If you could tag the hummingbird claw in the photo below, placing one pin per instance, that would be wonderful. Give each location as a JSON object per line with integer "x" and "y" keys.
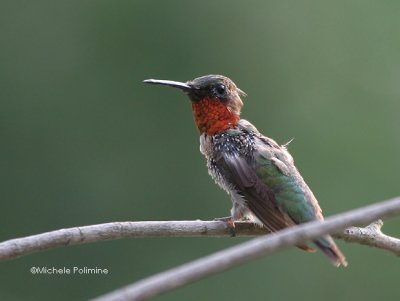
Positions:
{"x": 230, "y": 223}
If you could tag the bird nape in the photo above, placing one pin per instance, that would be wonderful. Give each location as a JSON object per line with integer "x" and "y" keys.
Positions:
{"x": 257, "y": 173}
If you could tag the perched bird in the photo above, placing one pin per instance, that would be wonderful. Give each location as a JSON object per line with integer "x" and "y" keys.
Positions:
{"x": 257, "y": 173}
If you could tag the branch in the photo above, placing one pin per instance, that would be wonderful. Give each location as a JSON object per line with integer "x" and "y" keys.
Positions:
{"x": 18, "y": 247}
{"x": 261, "y": 246}
{"x": 14, "y": 248}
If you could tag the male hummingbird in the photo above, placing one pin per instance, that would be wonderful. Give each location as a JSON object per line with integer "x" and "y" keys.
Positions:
{"x": 257, "y": 173}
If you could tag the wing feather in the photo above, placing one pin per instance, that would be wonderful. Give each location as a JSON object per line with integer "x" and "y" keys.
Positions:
{"x": 259, "y": 198}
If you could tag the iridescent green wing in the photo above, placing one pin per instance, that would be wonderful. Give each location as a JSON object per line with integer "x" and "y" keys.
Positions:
{"x": 275, "y": 166}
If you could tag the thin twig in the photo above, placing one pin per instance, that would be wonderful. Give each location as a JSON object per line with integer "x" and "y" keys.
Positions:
{"x": 261, "y": 246}
{"x": 371, "y": 236}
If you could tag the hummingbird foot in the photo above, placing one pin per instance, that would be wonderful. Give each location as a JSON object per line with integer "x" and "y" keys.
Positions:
{"x": 230, "y": 223}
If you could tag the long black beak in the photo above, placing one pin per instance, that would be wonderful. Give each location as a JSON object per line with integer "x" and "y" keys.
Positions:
{"x": 171, "y": 83}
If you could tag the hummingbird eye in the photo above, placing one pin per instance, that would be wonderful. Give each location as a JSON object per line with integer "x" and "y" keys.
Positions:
{"x": 220, "y": 90}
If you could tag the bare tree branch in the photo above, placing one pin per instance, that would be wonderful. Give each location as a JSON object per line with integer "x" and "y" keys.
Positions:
{"x": 14, "y": 248}
{"x": 261, "y": 246}
{"x": 18, "y": 247}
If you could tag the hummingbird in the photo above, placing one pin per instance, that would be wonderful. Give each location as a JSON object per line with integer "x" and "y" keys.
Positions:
{"x": 259, "y": 174}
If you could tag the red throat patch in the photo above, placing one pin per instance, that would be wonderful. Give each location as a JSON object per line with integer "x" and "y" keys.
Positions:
{"x": 212, "y": 116}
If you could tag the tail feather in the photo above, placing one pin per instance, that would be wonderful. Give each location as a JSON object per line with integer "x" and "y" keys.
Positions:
{"x": 330, "y": 249}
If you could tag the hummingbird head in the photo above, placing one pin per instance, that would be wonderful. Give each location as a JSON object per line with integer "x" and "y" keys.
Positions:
{"x": 216, "y": 101}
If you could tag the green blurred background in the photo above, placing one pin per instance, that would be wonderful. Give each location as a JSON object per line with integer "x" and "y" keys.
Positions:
{"x": 83, "y": 141}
